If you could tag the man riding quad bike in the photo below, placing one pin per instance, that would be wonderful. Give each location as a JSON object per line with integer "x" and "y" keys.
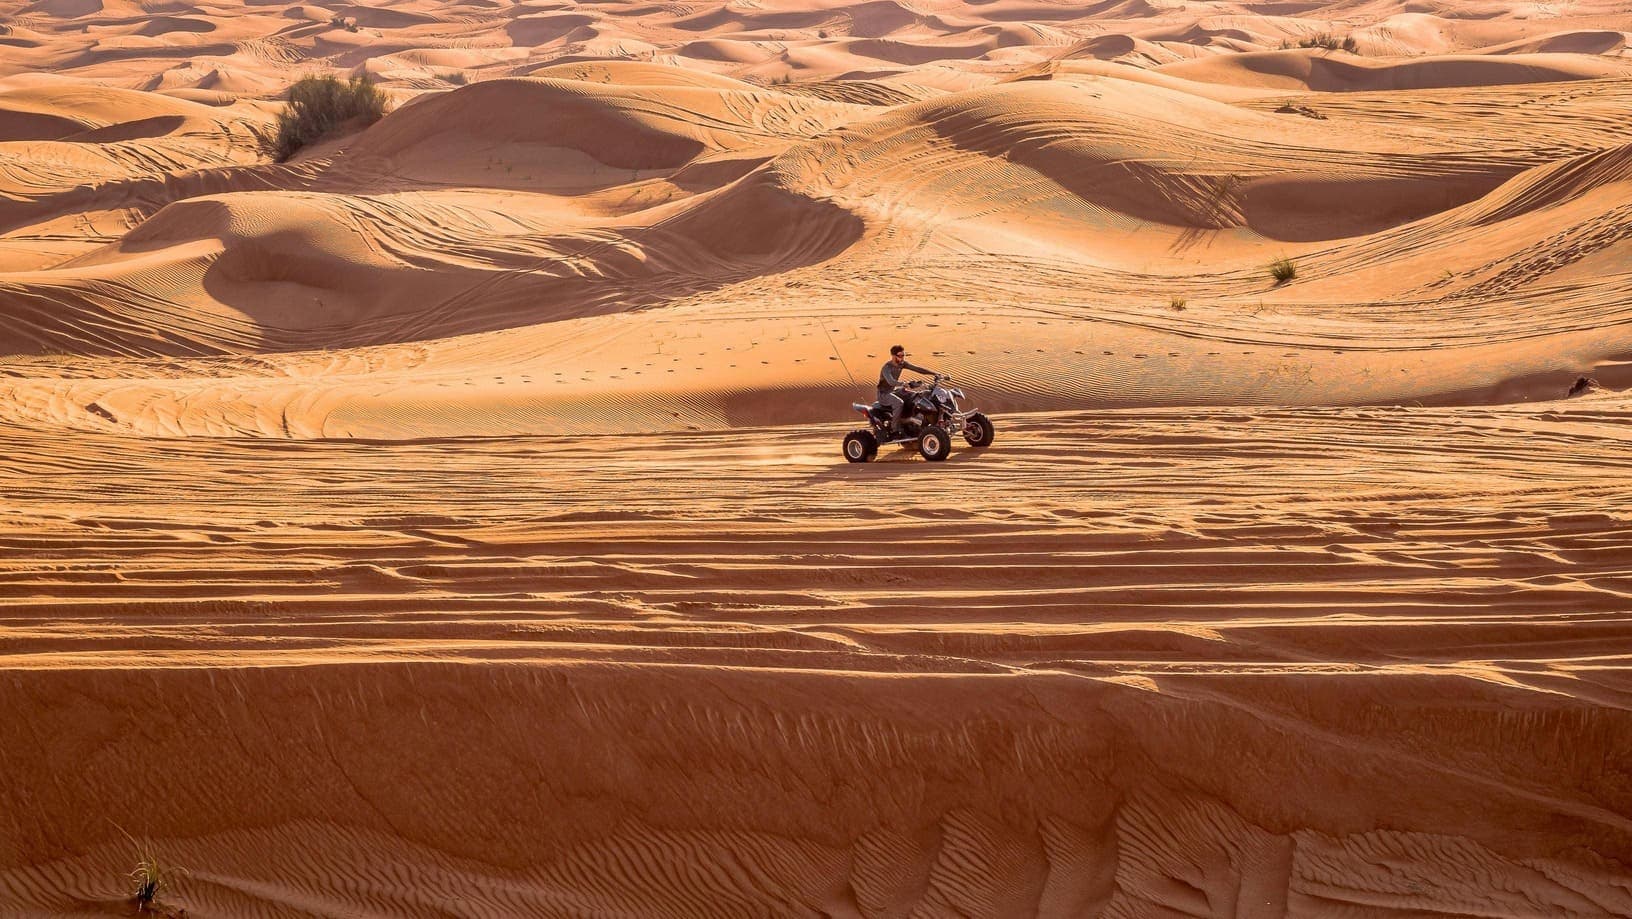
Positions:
{"x": 917, "y": 412}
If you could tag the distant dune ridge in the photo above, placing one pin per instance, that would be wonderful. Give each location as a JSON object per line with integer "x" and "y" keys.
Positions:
{"x": 449, "y": 520}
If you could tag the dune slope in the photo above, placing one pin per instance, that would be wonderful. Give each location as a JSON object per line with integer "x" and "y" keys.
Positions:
{"x": 658, "y": 686}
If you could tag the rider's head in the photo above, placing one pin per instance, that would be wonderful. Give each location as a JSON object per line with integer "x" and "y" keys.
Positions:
{"x": 898, "y": 354}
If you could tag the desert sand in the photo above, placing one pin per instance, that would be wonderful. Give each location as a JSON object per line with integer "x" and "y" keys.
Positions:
{"x": 450, "y": 520}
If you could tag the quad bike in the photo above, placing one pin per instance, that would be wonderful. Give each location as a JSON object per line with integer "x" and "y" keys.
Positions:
{"x": 928, "y": 422}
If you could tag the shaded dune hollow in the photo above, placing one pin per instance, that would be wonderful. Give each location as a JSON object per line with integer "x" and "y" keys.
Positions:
{"x": 655, "y": 790}
{"x": 284, "y": 270}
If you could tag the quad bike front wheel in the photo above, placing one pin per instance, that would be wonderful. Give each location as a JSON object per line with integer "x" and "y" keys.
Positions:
{"x": 977, "y": 429}
{"x": 935, "y": 443}
{"x": 860, "y": 446}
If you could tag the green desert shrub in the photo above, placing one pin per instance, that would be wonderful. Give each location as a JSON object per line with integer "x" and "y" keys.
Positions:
{"x": 1282, "y": 270}
{"x": 1331, "y": 42}
{"x": 318, "y": 105}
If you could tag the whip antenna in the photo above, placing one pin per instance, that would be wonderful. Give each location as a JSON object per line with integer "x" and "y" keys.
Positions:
{"x": 840, "y": 357}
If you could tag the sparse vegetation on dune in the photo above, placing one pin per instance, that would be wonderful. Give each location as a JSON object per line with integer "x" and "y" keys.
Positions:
{"x": 150, "y": 879}
{"x": 319, "y": 105}
{"x": 1329, "y": 42}
{"x": 1283, "y": 270}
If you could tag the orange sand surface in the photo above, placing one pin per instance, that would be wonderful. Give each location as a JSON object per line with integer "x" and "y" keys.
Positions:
{"x": 450, "y": 521}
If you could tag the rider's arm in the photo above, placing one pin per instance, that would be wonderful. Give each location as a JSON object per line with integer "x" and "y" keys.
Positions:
{"x": 889, "y": 377}
{"x": 923, "y": 370}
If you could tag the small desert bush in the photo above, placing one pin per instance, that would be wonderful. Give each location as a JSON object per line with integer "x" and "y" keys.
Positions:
{"x": 1177, "y": 304}
{"x": 318, "y": 105}
{"x": 1331, "y": 42}
{"x": 150, "y": 879}
{"x": 456, "y": 77}
{"x": 1282, "y": 270}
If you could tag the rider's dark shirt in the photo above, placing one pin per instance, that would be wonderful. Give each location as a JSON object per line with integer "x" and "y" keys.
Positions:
{"x": 890, "y": 376}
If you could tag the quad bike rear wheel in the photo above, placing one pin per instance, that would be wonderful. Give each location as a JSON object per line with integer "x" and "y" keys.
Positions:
{"x": 934, "y": 443}
{"x": 860, "y": 446}
{"x": 977, "y": 429}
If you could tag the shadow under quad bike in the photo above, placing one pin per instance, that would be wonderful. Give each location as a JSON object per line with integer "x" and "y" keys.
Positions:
{"x": 931, "y": 417}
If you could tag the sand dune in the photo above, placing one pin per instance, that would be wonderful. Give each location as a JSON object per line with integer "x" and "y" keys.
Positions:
{"x": 1578, "y": 42}
{"x": 450, "y": 519}
{"x": 1121, "y": 707}
{"x": 1336, "y": 72}
{"x": 389, "y": 239}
